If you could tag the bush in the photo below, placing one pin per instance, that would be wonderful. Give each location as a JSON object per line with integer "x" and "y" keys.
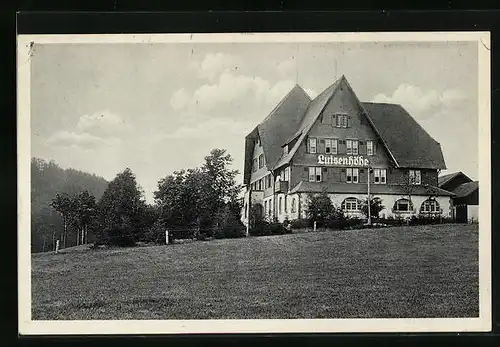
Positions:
{"x": 228, "y": 226}
{"x": 118, "y": 237}
{"x": 300, "y": 223}
{"x": 156, "y": 233}
{"x": 276, "y": 228}
{"x": 260, "y": 228}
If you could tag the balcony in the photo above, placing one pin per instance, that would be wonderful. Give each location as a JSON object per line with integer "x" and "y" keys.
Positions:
{"x": 281, "y": 187}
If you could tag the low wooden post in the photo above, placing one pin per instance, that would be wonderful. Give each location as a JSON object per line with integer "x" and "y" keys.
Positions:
{"x": 57, "y": 246}
{"x": 314, "y": 227}
{"x": 166, "y": 237}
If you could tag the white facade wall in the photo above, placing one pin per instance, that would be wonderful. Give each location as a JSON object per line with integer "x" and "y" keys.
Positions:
{"x": 387, "y": 200}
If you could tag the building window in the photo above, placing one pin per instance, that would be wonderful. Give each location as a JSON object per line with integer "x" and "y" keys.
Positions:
{"x": 265, "y": 207}
{"x": 285, "y": 204}
{"x": 268, "y": 179}
{"x": 293, "y": 205}
{"x": 269, "y": 205}
{"x": 245, "y": 207}
{"x": 331, "y": 146}
{"x": 350, "y": 205}
{"x": 414, "y": 177}
{"x": 312, "y": 145}
{"x": 369, "y": 147}
{"x": 341, "y": 121}
{"x": 254, "y": 165}
{"x": 352, "y": 175}
{"x": 260, "y": 184}
{"x": 403, "y": 205}
{"x": 430, "y": 206}
{"x": 261, "y": 161}
{"x": 351, "y": 147}
{"x": 314, "y": 174}
{"x": 379, "y": 176}
{"x": 286, "y": 174}
{"x": 280, "y": 204}
{"x": 348, "y": 144}
{"x": 355, "y": 147}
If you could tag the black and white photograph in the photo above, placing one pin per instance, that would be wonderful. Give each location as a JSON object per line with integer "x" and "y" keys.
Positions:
{"x": 197, "y": 183}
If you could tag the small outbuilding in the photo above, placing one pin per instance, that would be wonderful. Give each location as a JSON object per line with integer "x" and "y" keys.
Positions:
{"x": 466, "y": 200}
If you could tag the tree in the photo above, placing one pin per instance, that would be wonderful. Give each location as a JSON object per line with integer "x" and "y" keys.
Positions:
{"x": 375, "y": 207}
{"x": 319, "y": 208}
{"x": 196, "y": 198}
{"x": 85, "y": 211}
{"x": 64, "y": 204}
{"x": 120, "y": 210}
{"x": 219, "y": 185}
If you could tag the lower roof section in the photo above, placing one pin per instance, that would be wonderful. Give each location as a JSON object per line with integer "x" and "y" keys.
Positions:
{"x": 347, "y": 188}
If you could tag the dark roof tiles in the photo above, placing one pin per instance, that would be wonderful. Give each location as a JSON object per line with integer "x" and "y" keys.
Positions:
{"x": 409, "y": 143}
{"x": 465, "y": 189}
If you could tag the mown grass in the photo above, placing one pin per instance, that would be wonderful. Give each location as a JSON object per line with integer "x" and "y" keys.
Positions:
{"x": 400, "y": 272}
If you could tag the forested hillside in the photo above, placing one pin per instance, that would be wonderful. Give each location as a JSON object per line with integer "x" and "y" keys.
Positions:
{"x": 47, "y": 180}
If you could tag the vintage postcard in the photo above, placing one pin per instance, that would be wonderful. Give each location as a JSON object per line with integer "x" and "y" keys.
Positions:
{"x": 250, "y": 183}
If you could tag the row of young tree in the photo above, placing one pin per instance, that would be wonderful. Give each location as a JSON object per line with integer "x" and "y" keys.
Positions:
{"x": 199, "y": 202}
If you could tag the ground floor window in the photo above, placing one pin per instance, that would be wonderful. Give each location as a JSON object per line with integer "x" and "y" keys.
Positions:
{"x": 350, "y": 204}
{"x": 280, "y": 205}
{"x": 430, "y": 206}
{"x": 403, "y": 205}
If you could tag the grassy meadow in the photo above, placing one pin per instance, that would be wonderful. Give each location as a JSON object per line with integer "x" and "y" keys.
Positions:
{"x": 398, "y": 272}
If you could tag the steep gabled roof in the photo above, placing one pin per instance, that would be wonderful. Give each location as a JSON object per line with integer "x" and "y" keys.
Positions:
{"x": 276, "y": 128}
{"x": 442, "y": 180}
{"x": 407, "y": 141}
{"x": 465, "y": 189}
{"x": 313, "y": 111}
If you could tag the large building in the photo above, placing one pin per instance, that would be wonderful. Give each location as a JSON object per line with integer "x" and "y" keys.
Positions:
{"x": 331, "y": 144}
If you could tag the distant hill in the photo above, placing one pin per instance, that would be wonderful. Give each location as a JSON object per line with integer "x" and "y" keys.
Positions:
{"x": 48, "y": 179}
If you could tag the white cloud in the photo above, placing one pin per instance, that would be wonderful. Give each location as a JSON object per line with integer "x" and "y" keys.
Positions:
{"x": 287, "y": 67}
{"x": 81, "y": 140}
{"x": 214, "y": 64}
{"x": 102, "y": 124}
{"x": 179, "y": 99}
{"x": 211, "y": 128}
{"x": 96, "y": 131}
{"x": 423, "y": 104}
{"x": 232, "y": 96}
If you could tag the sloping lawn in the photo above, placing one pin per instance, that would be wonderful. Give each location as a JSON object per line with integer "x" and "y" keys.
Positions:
{"x": 400, "y": 272}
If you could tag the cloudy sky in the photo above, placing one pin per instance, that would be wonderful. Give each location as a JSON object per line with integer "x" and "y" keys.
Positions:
{"x": 162, "y": 107}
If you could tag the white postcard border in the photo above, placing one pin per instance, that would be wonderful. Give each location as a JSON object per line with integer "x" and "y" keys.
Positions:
{"x": 30, "y": 327}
